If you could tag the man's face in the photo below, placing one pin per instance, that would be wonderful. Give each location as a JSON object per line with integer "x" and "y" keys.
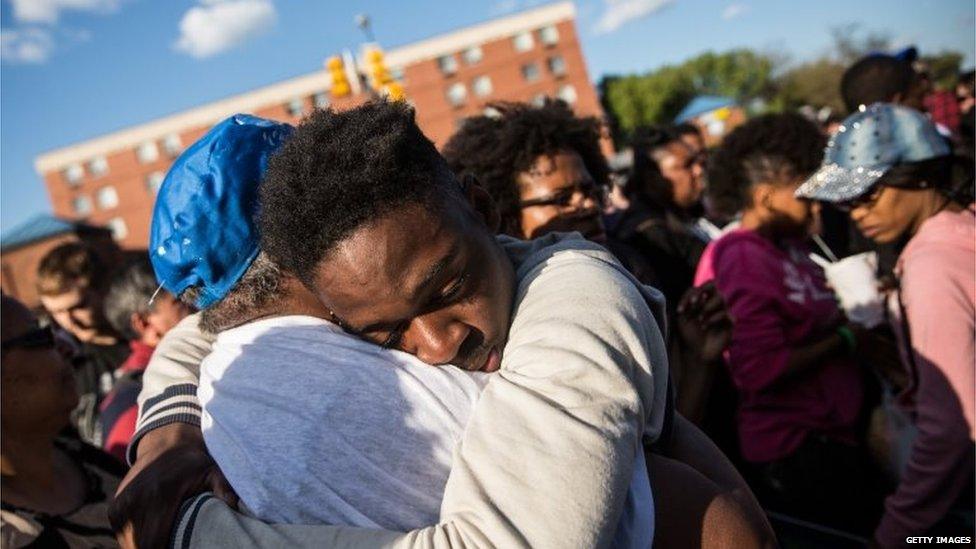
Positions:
{"x": 38, "y": 384}
{"x": 682, "y": 167}
{"x": 167, "y": 312}
{"x": 559, "y": 194}
{"x": 78, "y": 311}
{"x": 433, "y": 284}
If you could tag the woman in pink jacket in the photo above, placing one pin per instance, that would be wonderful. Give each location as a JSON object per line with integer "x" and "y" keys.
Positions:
{"x": 895, "y": 174}
{"x": 793, "y": 356}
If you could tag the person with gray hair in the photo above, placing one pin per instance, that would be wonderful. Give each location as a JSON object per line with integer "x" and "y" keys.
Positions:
{"x": 136, "y": 310}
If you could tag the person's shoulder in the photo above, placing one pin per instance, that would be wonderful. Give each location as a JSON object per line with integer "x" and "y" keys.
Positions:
{"x": 554, "y": 249}
{"x": 740, "y": 245}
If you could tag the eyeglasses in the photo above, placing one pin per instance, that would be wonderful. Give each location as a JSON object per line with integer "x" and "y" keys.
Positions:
{"x": 38, "y": 338}
{"x": 864, "y": 200}
{"x": 566, "y": 197}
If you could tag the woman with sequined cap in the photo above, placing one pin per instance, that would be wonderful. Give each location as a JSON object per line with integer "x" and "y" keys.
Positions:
{"x": 896, "y": 176}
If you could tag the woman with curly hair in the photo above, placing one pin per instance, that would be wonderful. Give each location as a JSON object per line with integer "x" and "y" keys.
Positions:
{"x": 793, "y": 355}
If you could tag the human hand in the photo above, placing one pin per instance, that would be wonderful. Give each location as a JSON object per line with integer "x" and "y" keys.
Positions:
{"x": 703, "y": 322}
{"x": 172, "y": 466}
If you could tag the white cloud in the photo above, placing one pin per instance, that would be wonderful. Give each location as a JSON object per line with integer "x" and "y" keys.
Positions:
{"x": 621, "y": 12}
{"x": 27, "y": 45}
{"x": 219, "y": 25}
{"x": 48, "y": 11}
{"x": 504, "y": 6}
{"x": 734, "y": 10}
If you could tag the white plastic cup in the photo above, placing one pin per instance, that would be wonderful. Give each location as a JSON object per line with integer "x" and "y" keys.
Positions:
{"x": 854, "y": 282}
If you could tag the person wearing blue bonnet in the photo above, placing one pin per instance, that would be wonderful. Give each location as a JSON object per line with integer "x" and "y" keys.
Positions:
{"x": 891, "y": 170}
{"x": 203, "y": 233}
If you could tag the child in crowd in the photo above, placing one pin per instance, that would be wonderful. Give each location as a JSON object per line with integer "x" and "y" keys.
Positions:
{"x": 792, "y": 355}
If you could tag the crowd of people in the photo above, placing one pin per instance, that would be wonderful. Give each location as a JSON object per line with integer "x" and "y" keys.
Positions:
{"x": 772, "y": 338}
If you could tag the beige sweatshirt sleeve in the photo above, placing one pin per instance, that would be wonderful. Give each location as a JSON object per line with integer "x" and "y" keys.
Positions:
{"x": 169, "y": 384}
{"x": 548, "y": 454}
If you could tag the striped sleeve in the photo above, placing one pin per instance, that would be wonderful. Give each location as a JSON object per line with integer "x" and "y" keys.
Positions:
{"x": 169, "y": 385}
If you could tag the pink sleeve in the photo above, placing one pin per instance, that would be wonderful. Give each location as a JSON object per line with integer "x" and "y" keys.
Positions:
{"x": 746, "y": 277}
{"x": 940, "y": 314}
{"x": 705, "y": 271}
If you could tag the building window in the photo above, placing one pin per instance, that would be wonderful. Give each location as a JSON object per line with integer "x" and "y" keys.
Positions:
{"x": 557, "y": 66}
{"x": 456, "y": 94}
{"x": 98, "y": 166}
{"x": 107, "y": 197}
{"x": 447, "y": 64}
{"x": 118, "y": 228}
{"x": 482, "y": 86}
{"x": 154, "y": 181}
{"x": 296, "y": 107}
{"x": 539, "y": 100}
{"x": 321, "y": 101}
{"x": 530, "y": 72}
{"x": 82, "y": 205}
{"x": 549, "y": 35}
{"x": 523, "y": 41}
{"x": 173, "y": 145}
{"x": 472, "y": 55}
{"x": 73, "y": 174}
{"x": 567, "y": 93}
{"x": 147, "y": 152}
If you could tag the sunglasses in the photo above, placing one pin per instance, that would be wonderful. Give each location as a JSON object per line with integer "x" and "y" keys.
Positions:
{"x": 38, "y": 338}
{"x": 566, "y": 197}
{"x": 864, "y": 200}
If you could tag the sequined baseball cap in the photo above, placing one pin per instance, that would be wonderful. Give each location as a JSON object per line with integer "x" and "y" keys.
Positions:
{"x": 866, "y": 145}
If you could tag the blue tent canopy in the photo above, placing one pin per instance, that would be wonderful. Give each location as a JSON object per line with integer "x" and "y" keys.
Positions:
{"x": 701, "y": 105}
{"x": 39, "y": 227}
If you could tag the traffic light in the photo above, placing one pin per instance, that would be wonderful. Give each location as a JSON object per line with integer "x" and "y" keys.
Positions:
{"x": 379, "y": 76}
{"x": 340, "y": 82}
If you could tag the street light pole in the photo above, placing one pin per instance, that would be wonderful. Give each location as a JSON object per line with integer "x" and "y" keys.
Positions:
{"x": 364, "y": 24}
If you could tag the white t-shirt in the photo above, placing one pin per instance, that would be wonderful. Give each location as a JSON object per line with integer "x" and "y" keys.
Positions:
{"x": 313, "y": 426}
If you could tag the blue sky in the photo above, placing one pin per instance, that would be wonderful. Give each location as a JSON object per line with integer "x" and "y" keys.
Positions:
{"x": 75, "y": 69}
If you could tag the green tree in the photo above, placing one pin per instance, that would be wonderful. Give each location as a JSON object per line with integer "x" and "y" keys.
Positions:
{"x": 656, "y": 97}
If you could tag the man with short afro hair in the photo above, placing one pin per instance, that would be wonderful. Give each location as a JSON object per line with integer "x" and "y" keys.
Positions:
{"x": 320, "y": 199}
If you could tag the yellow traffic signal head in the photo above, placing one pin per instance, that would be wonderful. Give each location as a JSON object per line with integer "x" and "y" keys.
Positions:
{"x": 335, "y": 64}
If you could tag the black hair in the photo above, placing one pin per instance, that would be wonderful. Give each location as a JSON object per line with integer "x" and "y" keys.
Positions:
{"x": 645, "y": 178}
{"x": 686, "y": 128}
{"x": 875, "y": 78}
{"x": 765, "y": 149}
{"x": 495, "y": 148}
{"x": 950, "y": 176}
{"x": 341, "y": 170}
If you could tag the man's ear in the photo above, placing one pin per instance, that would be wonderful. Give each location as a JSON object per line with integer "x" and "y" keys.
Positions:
{"x": 482, "y": 203}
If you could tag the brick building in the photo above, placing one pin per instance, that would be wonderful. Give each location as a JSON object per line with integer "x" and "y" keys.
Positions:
{"x": 111, "y": 180}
